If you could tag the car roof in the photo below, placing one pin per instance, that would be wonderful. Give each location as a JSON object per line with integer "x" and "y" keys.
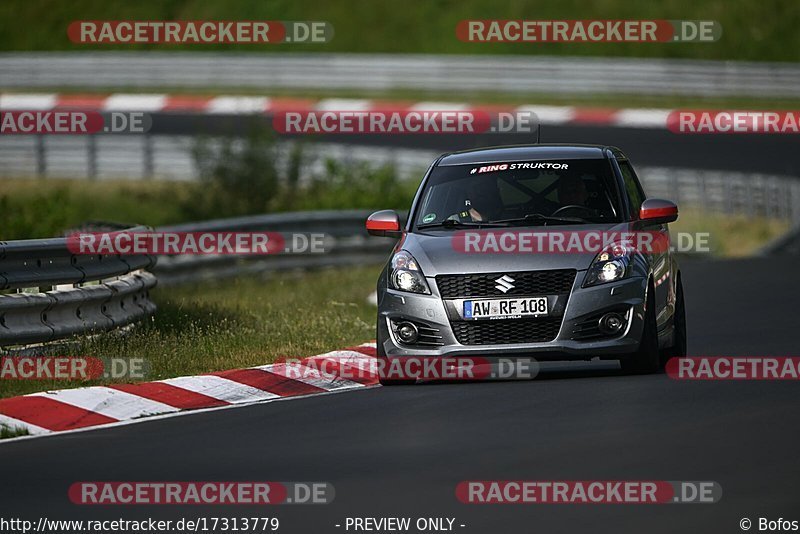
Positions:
{"x": 528, "y": 152}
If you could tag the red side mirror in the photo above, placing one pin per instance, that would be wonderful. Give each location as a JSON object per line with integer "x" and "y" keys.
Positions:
{"x": 384, "y": 223}
{"x": 658, "y": 211}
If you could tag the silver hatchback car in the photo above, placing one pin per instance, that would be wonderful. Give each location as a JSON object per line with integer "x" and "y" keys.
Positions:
{"x": 485, "y": 265}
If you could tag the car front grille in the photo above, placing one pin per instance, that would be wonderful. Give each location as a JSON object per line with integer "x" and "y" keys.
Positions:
{"x": 526, "y": 283}
{"x": 503, "y": 331}
{"x": 429, "y": 336}
{"x": 587, "y": 329}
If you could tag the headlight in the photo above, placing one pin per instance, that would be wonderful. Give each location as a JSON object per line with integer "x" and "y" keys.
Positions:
{"x": 406, "y": 274}
{"x": 612, "y": 264}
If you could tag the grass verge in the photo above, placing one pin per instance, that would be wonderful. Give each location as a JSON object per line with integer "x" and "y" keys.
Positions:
{"x": 12, "y": 432}
{"x": 46, "y": 207}
{"x": 761, "y": 31}
{"x": 237, "y": 323}
{"x": 730, "y": 236}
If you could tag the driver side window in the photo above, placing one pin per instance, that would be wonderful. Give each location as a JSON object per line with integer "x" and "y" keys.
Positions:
{"x": 632, "y": 187}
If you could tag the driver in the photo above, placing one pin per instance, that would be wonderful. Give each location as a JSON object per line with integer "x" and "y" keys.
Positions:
{"x": 572, "y": 191}
{"x": 482, "y": 202}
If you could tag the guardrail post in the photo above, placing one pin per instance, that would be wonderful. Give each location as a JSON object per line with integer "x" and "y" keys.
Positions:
{"x": 778, "y": 199}
{"x": 673, "y": 187}
{"x": 41, "y": 157}
{"x": 749, "y": 197}
{"x": 727, "y": 197}
{"x": 148, "y": 165}
{"x": 91, "y": 157}
{"x": 701, "y": 189}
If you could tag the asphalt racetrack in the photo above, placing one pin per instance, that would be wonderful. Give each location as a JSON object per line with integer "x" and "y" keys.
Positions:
{"x": 399, "y": 452}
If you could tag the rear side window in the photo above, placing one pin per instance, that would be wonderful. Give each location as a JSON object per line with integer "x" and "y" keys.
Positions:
{"x": 632, "y": 187}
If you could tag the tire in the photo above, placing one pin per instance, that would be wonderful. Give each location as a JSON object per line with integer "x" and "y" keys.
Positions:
{"x": 383, "y": 365}
{"x": 678, "y": 348}
{"x": 646, "y": 359}
{"x": 395, "y": 382}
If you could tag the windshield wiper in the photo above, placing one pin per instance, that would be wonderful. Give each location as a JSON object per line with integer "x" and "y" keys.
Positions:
{"x": 540, "y": 218}
{"x": 453, "y": 223}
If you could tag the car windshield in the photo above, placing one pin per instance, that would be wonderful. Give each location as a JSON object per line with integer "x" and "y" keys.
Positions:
{"x": 574, "y": 191}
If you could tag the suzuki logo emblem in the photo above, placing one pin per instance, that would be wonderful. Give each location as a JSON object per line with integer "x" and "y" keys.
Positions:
{"x": 504, "y": 283}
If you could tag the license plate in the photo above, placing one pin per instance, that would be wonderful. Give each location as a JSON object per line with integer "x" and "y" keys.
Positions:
{"x": 505, "y": 308}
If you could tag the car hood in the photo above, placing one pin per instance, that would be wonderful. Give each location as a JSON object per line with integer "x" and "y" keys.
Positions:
{"x": 440, "y": 251}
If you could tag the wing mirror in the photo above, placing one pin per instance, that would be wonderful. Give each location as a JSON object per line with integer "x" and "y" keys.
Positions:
{"x": 658, "y": 211}
{"x": 385, "y": 223}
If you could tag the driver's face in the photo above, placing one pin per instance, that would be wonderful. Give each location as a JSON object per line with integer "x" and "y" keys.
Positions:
{"x": 572, "y": 192}
{"x": 479, "y": 192}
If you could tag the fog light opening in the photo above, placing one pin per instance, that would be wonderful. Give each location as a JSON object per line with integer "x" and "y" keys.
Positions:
{"x": 407, "y": 332}
{"x": 612, "y": 323}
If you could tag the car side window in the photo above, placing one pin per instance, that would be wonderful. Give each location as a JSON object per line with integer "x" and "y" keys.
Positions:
{"x": 632, "y": 187}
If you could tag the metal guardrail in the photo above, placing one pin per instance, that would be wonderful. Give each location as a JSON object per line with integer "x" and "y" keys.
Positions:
{"x": 169, "y": 157}
{"x": 376, "y": 72}
{"x": 346, "y": 242}
{"x": 66, "y": 294}
{"x": 726, "y": 192}
{"x": 83, "y": 294}
{"x": 718, "y": 191}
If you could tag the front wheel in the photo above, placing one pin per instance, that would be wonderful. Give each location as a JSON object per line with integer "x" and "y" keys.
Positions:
{"x": 646, "y": 359}
{"x": 395, "y": 382}
{"x": 384, "y": 371}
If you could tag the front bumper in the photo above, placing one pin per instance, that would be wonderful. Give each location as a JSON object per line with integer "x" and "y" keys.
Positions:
{"x": 582, "y": 303}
